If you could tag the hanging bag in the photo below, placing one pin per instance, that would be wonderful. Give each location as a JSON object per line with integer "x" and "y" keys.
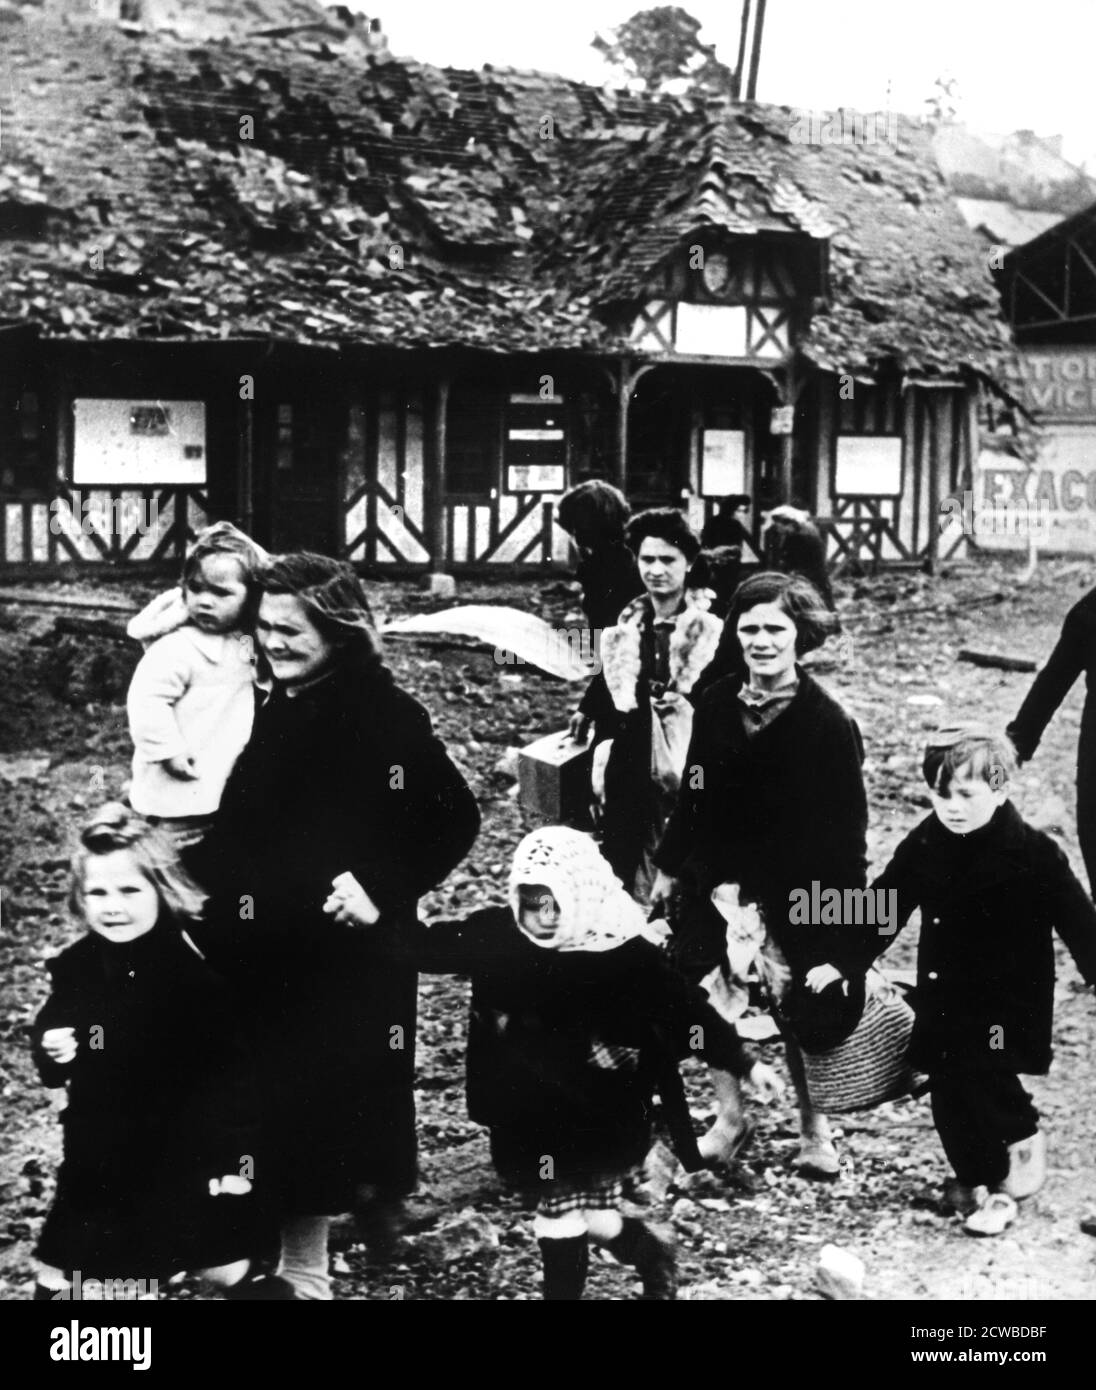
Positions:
{"x": 871, "y": 1066}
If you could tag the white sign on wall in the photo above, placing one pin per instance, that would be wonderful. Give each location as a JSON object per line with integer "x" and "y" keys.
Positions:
{"x": 127, "y": 443}
{"x": 869, "y": 465}
{"x": 711, "y": 330}
{"x": 723, "y": 463}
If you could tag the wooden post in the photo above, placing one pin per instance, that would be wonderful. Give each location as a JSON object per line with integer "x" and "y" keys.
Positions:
{"x": 245, "y": 464}
{"x": 790, "y": 396}
{"x": 755, "y": 53}
{"x": 623, "y": 395}
{"x": 439, "y": 581}
{"x": 935, "y": 491}
{"x": 825, "y": 402}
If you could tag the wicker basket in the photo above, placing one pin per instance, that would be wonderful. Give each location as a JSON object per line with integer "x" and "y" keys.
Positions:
{"x": 871, "y": 1066}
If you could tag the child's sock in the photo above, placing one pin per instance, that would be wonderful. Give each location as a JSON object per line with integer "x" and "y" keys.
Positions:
{"x": 650, "y": 1255}
{"x": 304, "y": 1257}
{"x": 565, "y": 1263}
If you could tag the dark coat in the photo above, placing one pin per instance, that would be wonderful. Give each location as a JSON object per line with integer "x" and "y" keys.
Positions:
{"x": 537, "y": 1015}
{"x": 159, "y": 1102}
{"x": 345, "y": 776}
{"x": 610, "y": 580}
{"x": 773, "y": 812}
{"x": 725, "y": 529}
{"x": 798, "y": 547}
{"x": 1075, "y": 652}
{"x": 990, "y": 903}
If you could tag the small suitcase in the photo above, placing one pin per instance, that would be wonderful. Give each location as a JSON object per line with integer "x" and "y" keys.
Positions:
{"x": 554, "y": 781}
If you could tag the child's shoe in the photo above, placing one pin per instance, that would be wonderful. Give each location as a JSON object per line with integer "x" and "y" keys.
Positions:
{"x": 650, "y": 1255}
{"x": 44, "y": 1294}
{"x": 1027, "y": 1166}
{"x": 996, "y": 1211}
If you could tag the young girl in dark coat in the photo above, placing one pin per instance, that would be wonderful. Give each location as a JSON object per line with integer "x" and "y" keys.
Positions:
{"x": 576, "y": 1019}
{"x": 992, "y": 892}
{"x": 773, "y": 801}
{"x": 160, "y": 1132}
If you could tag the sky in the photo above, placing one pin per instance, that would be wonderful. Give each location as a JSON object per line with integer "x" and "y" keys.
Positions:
{"x": 1018, "y": 65}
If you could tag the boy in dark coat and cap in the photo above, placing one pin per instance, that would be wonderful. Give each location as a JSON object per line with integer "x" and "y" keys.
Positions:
{"x": 992, "y": 891}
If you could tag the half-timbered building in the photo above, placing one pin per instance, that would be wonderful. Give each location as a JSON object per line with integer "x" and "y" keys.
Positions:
{"x": 391, "y": 312}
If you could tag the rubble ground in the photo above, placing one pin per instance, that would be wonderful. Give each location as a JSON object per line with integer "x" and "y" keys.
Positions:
{"x": 756, "y": 1232}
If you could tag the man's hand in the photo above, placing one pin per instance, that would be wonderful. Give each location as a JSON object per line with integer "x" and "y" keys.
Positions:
{"x": 181, "y": 768}
{"x": 59, "y": 1044}
{"x": 350, "y": 904}
{"x": 821, "y": 977}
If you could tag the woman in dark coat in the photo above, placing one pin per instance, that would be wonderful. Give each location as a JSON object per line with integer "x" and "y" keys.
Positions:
{"x": 773, "y": 801}
{"x": 594, "y": 515}
{"x": 1075, "y": 652}
{"x": 343, "y": 790}
{"x": 793, "y": 544}
{"x": 651, "y": 659}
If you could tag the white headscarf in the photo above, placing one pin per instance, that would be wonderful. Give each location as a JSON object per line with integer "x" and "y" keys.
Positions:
{"x": 596, "y": 913}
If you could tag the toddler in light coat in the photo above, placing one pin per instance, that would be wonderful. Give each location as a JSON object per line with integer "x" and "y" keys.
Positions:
{"x": 191, "y": 702}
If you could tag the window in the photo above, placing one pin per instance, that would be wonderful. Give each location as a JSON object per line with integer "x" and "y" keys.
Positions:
{"x": 22, "y": 452}
{"x": 474, "y": 442}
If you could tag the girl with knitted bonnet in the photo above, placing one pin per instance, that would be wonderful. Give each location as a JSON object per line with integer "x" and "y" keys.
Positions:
{"x": 191, "y": 701}
{"x": 577, "y": 1018}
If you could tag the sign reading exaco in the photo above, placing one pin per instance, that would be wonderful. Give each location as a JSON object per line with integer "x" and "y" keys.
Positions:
{"x": 1052, "y": 504}
{"x": 1060, "y": 384}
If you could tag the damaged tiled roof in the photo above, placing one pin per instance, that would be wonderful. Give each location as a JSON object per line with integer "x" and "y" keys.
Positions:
{"x": 153, "y": 189}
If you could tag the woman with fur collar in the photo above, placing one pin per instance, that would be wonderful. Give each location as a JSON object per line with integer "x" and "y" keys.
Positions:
{"x": 639, "y": 702}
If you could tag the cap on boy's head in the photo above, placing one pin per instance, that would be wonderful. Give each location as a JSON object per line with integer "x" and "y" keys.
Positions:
{"x": 975, "y": 749}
